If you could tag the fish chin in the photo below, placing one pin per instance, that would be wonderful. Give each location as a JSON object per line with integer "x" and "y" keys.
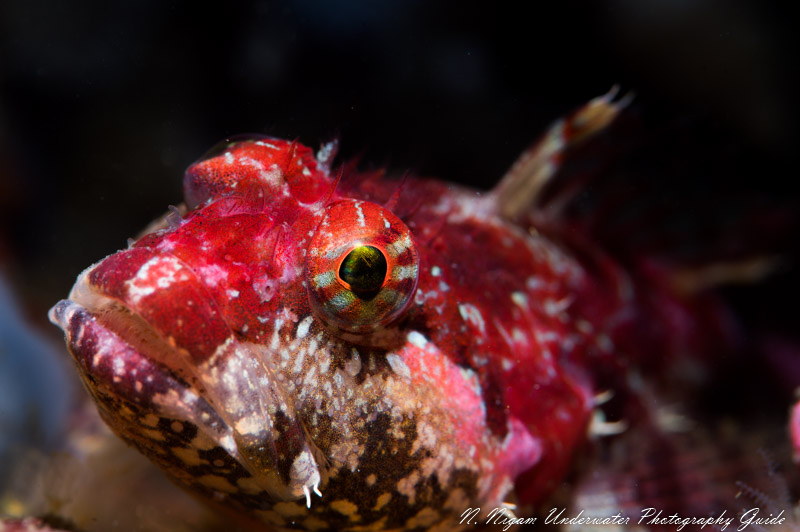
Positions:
{"x": 176, "y": 411}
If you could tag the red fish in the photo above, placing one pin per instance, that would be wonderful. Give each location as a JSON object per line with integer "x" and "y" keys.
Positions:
{"x": 319, "y": 353}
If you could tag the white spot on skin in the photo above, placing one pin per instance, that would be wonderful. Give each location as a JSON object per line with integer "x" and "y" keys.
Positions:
{"x": 417, "y": 339}
{"x": 271, "y": 176}
{"x": 340, "y": 301}
{"x": 436, "y": 271}
{"x": 119, "y": 366}
{"x": 228, "y": 157}
{"x": 399, "y": 245}
{"x": 233, "y": 294}
{"x": 472, "y": 315}
{"x": 158, "y": 272}
{"x": 324, "y": 361}
{"x": 250, "y": 425}
{"x": 298, "y": 361}
{"x": 353, "y": 366}
{"x": 212, "y": 274}
{"x": 398, "y": 366}
{"x": 520, "y": 299}
{"x": 325, "y": 279}
{"x": 303, "y": 326}
{"x": 404, "y": 272}
{"x": 360, "y": 213}
{"x": 266, "y": 144}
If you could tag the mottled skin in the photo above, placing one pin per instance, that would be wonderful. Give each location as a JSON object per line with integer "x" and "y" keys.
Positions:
{"x": 206, "y": 344}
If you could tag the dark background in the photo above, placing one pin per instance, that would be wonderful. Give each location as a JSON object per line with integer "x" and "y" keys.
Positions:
{"x": 102, "y": 105}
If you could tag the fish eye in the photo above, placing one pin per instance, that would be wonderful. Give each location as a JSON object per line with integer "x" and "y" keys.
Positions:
{"x": 364, "y": 270}
{"x": 361, "y": 267}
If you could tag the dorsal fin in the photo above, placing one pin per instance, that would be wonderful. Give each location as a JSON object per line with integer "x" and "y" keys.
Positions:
{"x": 521, "y": 187}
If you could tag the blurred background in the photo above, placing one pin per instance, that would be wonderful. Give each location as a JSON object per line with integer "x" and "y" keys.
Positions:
{"x": 103, "y": 105}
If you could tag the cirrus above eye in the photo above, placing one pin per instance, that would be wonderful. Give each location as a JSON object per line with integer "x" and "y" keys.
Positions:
{"x": 361, "y": 268}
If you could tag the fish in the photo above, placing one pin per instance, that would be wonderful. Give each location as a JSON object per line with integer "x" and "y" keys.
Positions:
{"x": 310, "y": 347}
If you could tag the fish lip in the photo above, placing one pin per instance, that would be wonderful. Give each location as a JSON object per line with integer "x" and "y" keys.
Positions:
{"x": 120, "y": 353}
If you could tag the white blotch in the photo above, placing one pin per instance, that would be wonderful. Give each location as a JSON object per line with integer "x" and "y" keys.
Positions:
{"x": 404, "y": 272}
{"x": 361, "y": 221}
{"x": 340, "y": 301}
{"x": 419, "y": 297}
{"x": 271, "y": 176}
{"x": 399, "y": 245}
{"x": 265, "y": 144}
{"x": 324, "y": 279}
{"x": 436, "y": 271}
{"x": 303, "y": 326}
{"x": 228, "y": 157}
{"x": 472, "y": 315}
{"x": 212, "y": 274}
{"x": 324, "y": 361}
{"x": 336, "y": 251}
{"x": 520, "y": 299}
{"x": 417, "y": 339}
{"x": 165, "y": 271}
{"x": 398, "y": 366}
{"x": 233, "y": 294}
{"x": 250, "y": 425}
{"x": 353, "y": 366}
{"x": 137, "y": 291}
{"x": 119, "y": 366}
{"x": 298, "y": 361}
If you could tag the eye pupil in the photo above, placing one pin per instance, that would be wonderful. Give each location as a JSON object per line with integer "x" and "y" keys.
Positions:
{"x": 364, "y": 269}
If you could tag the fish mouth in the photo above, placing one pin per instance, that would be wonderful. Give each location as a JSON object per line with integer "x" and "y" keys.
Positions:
{"x": 124, "y": 362}
{"x": 128, "y": 338}
{"x": 128, "y": 365}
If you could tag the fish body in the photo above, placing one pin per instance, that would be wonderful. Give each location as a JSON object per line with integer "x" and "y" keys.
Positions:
{"x": 323, "y": 354}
